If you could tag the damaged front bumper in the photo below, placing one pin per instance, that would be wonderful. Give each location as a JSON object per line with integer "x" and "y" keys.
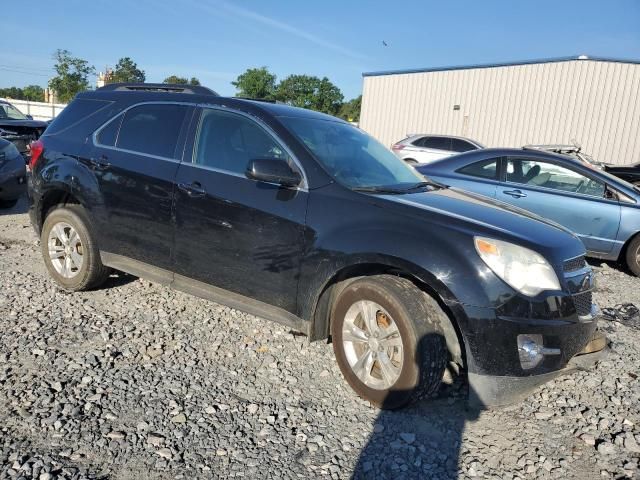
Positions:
{"x": 490, "y": 390}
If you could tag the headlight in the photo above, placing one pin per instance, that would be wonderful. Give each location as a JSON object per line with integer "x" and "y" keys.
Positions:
{"x": 525, "y": 270}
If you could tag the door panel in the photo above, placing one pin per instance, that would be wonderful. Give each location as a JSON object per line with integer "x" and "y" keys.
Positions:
{"x": 565, "y": 196}
{"x": 231, "y": 232}
{"x": 137, "y": 188}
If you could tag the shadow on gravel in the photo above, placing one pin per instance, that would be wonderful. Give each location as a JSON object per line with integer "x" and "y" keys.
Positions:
{"x": 117, "y": 279}
{"x": 423, "y": 440}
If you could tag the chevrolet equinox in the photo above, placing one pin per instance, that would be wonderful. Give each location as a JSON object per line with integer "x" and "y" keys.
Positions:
{"x": 304, "y": 219}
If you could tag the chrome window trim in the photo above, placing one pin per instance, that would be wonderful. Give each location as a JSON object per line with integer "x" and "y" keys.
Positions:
{"x": 304, "y": 186}
{"x": 94, "y": 137}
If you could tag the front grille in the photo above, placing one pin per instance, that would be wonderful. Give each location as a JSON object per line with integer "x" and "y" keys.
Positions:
{"x": 582, "y": 302}
{"x": 574, "y": 264}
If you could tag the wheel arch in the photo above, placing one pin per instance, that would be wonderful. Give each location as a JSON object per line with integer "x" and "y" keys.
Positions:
{"x": 422, "y": 279}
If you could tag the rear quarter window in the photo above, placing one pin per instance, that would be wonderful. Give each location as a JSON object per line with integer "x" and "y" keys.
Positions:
{"x": 74, "y": 113}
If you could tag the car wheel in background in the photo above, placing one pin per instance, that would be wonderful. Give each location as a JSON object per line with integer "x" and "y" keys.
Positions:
{"x": 69, "y": 250}
{"x": 633, "y": 255}
{"x": 388, "y": 341}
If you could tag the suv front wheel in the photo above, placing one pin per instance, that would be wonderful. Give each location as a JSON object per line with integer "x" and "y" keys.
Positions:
{"x": 69, "y": 250}
{"x": 388, "y": 340}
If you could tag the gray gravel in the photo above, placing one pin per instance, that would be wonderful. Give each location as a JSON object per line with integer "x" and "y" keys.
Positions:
{"x": 138, "y": 381}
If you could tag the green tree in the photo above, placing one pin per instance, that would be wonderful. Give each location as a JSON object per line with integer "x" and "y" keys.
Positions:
{"x": 256, "y": 83}
{"x": 35, "y": 93}
{"x": 175, "y": 79}
{"x": 72, "y": 75}
{"x": 126, "y": 71}
{"x": 350, "y": 110}
{"x": 310, "y": 92}
{"x": 12, "y": 92}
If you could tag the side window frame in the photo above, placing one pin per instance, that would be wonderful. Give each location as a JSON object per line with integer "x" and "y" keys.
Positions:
{"x": 191, "y": 147}
{"x": 549, "y": 189}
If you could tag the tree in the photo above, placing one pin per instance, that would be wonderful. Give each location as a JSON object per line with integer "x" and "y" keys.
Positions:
{"x": 72, "y": 75}
{"x": 12, "y": 92}
{"x": 310, "y": 92}
{"x": 126, "y": 71}
{"x": 256, "y": 83}
{"x": 350, "y": 110}
{"x": 174, "y": 79}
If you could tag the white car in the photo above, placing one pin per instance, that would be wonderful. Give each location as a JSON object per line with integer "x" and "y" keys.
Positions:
{"x": 425, "y": 148}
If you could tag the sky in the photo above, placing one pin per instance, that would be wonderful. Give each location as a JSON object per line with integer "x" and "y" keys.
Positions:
{"x": 216, "y": 40}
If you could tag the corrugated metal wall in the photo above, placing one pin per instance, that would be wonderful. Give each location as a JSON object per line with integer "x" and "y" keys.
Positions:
{"x": 596, "y": 103}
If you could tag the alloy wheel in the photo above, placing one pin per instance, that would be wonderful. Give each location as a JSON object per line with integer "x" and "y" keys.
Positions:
{"x": 65, "y": 250}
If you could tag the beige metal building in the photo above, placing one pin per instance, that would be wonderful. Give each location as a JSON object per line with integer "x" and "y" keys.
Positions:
{"x": 592, "y": 101}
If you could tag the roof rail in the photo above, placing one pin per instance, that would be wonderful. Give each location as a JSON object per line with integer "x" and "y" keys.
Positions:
{"x": 158, "y": 87}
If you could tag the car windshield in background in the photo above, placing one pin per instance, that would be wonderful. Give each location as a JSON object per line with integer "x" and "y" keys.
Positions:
{"x": 352, "y": 157}
{"x": 9, "y": 112}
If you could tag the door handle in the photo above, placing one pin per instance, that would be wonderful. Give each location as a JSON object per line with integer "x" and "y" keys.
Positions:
{"x": 194, "y": 190}
{"x": 100, "y": 164}
{"x": 515, "y": 193}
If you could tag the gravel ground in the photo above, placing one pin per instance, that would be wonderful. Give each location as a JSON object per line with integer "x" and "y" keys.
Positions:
{"x": 137, "y": 381}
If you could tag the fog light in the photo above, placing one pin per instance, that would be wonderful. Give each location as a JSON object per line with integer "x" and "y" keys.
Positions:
{"x": 531, "y": 350}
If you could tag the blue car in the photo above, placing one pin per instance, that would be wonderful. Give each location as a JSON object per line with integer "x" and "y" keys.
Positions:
{"x": 602, "y": 210}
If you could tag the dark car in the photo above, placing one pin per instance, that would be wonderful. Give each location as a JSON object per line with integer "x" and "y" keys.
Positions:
{"x": 18, "y": 128}
{"x": 603, "y": 210}
{"x": 12, "y": 174}
{"x": 301, "y": 218}
{"x": 629, "y": 173}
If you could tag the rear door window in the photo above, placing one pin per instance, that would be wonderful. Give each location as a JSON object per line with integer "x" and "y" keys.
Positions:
{"x": 438, "y": 143}
{"x": 109, "y": 133}
{"x": 152, "y": 129}
{"x": 485, "y": 169}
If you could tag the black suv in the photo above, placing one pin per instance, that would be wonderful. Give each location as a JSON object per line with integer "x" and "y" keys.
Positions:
{"x": 301, "y": 218}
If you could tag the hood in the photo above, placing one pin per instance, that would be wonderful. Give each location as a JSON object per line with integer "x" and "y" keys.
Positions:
{"x": 6, "y": 123}
{"x": 480, "y": 215}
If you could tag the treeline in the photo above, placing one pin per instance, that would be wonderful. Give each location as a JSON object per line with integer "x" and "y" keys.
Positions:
{"x": 306, "y": 91}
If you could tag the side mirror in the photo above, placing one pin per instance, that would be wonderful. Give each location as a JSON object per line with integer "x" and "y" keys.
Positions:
{"x": 30, "y": 117}
{"x": 273, "y": 171}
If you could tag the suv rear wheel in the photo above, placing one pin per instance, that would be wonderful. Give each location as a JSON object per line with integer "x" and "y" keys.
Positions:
{"x": 69, "y": 251}
{"x": 388, "y": 340}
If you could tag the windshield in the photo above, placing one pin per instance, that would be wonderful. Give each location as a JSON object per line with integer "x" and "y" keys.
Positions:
{"x": 9, "y": 112}
{"x": 352, "y": 157}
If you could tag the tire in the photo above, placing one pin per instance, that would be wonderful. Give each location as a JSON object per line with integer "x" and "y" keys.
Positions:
{"x": 85, "y": 267}
{"x": 417, "y": 367}
{"x": 8, "y": 203}
{"x": 633, "y": 255}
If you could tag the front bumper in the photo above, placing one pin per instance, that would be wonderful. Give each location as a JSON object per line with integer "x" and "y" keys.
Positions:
{"x": 489, "y": 390}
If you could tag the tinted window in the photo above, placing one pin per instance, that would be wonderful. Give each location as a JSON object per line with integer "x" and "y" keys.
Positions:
{"x": 77, "y": 110}
{"x": 349, "y": 155}
{"x": 107, "y": 136}
{"x": 458, "y": 145}
{"x": 550, "y": 175}
{"x": 228, "y": 141}
{"x": 439, "y": 143}
{"x": 152, "y": 129}
{"x": 484, "y": 169}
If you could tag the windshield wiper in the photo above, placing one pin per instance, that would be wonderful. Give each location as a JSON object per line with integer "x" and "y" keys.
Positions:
{"x": 399, "y": 190}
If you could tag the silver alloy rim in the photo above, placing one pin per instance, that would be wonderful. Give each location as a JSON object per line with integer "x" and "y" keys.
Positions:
{"x": 372, "y": 344}
{"x": 65, "y": 250}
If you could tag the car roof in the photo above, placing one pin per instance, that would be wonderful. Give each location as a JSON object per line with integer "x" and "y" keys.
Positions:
{"x": 249, "y": 105}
